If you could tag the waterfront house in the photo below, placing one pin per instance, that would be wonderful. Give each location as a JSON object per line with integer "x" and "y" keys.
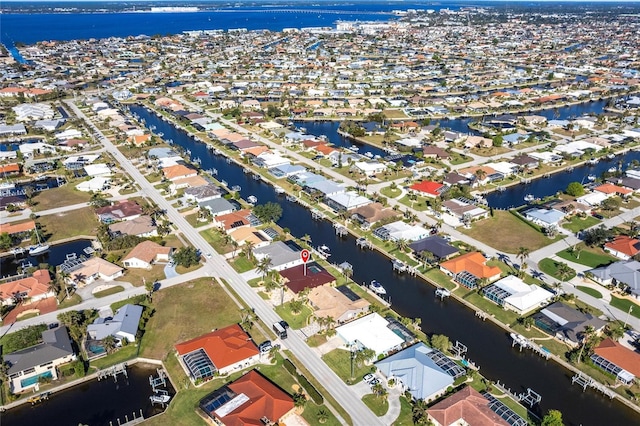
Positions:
{"x": 18, "y": 230}
{"x": 514, "y": 294}
{"x": 251, "y": 399}
{"x": 544, "y": 217}
{"x": 93, "y": 269}
{"x": 309, "y": 275}
{"x": 123, "y": 325}
{"x": 28, "y": 289}
{"x": 466, "y": 407}
{"x": 436, "y": 245}
{"x": 145, "y": 254}
{"x": 469, "y": 268}
{"x": 566, "y": 323}
{"x": 368, "y": 215}
{"x": 372, "y": 332}
{"x": 339, "y": 303}
{"x": 218, "y": 352}
{"x": 122, "y": 210}
{"x": 623, "y": 247}
{"x": 202, "y": 193}
{"x": 618, "y": 360}
{"x": 96, "y": 184}
{"x": 624, "y": 274}
{"x": 283, "y": 254}
{"x": 400, "y": 230}
{"x": 346, "y": 201}
{"x": 28, "y": 365}
{"x": 424, "y": 372}
{"x": 464, "y": 210}
{"x": 256, "y": 237}
{"x": 286, "y": 170}
{"x": 229, "y": 221}
{"x": 218, "y": 206}
{"x": 142, "y": 226}
{"x": 178, "y": 171}
{"x": 611, "y": 190}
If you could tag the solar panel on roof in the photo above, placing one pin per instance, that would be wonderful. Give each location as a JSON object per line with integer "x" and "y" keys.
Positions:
{"x": 270, "y": 232}
{"x": 348, "y": 293}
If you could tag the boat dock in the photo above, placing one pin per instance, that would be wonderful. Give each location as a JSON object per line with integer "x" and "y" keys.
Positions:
{"x": 113, "y": 372}
{"x": 585, "y": 381}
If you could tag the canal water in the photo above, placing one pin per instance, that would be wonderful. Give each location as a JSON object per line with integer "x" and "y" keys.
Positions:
{"x": 489, "y": 346}
{"x": 93, "y": 403}
{"x": 54, "y": 257}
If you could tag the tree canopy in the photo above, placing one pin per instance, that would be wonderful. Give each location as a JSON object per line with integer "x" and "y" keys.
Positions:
{"x": 269, "y": 212}
{"x": 575, "y": 189}
{"x": 552, "y": 418}
{"x": 186, "y": 257}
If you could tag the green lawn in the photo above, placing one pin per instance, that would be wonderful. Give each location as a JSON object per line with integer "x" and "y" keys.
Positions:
{"x": 624, "y": 305}
{"x": 550, "y": 267}
{"x": 311, "y": 411}
{"x": 186, "y": 311}
{"x": 389, "y": 192}
{"x": 507, "y": 233}
{"x": 216, "y": 239}
{"x": 376, "y": 404}
{"x": 242, "y": 264}
{"x": 440, "y": 278}
{"x": 420, "y": 204}
{"x": 504, "y": 316}
{"x": 296, "y": 321}
{"x": 593, "y": 257}
{"x": 577, "y": 224}
{"x": 69, "y": 224}
{"x": 59, "y": 197}
{"x": 405, "y": 418}
{"x": 67, "y": 302}
{"x": 590, "y": 291}
{"x": 339, "y": 360}
{"x": 123, "y": 354}
{"x": 109, "y": 291}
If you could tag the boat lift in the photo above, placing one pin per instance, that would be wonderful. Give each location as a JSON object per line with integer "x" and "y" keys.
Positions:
{"x": 113, "y": 372}
{"x": 161, "y": 380}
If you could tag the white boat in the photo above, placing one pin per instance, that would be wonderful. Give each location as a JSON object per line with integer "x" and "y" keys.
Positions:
{"x": 252, "y": 199}
{"x": 529, "y": 197}
{"x": 376, "y": 287}
{"x": 368, "y": 154}
{"x": 520, "y": 339}
{"x": 279, "y": 189}
{"x": 611, "y": 156}
{"x": 324, "y": 251}
{"x": 161, "y": 398}
{"x": 612, "y": 170}
{"x": 18, "y": 251}
{"x": 236, "y": 188}
{"x": 353, "y": 148}
{"x": 39, "y": 248}
{"x": 592, "y": 161}
{"x": 591, "y": 177}
{"x": 442, "y": 292}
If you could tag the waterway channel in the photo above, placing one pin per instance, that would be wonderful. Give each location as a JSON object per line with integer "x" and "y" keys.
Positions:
{"x": 56, "y": 255}
{"x": 489, "y": 346}
{"x": 94, "y": 403}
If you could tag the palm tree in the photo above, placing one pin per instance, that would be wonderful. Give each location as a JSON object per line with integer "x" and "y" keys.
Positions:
{"x": 419, "y": 412}
{"x": 401, "y": 244}
{"x": 109, "y": 343}
{"x": 564, "y": 271}
{"x": 363, "y": 356}
{"x": 306, "y": 238}
{"x": 522, "y": 255}
{"x": 587, "y": 336}
{"x": 322, "y": 416}
{"x": 264, "y": 266}
{"x": 248, "y": 249}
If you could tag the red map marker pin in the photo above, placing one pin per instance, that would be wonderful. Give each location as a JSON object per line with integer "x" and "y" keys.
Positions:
{"x": 304, "y": 255}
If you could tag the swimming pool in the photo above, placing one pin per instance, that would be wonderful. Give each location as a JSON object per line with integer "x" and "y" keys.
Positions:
{"x": 30, "y": 381}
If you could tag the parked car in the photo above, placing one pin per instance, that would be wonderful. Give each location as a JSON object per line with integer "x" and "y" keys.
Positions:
{"x": 374, "y": 382}
{"x": 284, "y": 324}
{"x": 265, "y": 347}
{"x": 368, "y": 378}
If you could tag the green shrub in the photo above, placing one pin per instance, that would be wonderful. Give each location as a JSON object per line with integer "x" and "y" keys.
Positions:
{"x": 290, "y": 367}
{"x": 313, "y": 393}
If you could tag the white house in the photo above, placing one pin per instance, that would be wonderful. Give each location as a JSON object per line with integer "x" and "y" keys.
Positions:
{"x": 370, "y": 332}
{"x": 123, "y": 325}
{"x": 514, "y": 294}
{"x": 145, "y": 254}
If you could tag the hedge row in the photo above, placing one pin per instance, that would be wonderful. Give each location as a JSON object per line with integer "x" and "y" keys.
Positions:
{"x": 308, "y": 387}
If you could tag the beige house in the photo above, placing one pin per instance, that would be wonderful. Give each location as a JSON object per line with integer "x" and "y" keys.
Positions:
{"x": 330, "y": 302}
{"x": 145, "y": 254}
{"x": 95, "y": 268}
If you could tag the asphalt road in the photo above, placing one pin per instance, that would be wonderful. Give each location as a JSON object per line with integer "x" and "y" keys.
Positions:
{"x": 360, "y": 413}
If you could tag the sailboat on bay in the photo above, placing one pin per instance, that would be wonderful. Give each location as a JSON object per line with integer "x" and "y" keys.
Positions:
{"x": 39, "y": 248}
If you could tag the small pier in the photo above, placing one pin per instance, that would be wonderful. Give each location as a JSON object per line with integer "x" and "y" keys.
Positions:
{"x": 459, "y": 349}
{"x": 530, "y": 398}
{"x": 363, "y": 243}
{"x": 585, "y": 381}
{"x": 519, "y": 340}
{"x": 317, "y": 214}
{"x": 159, "y": 381}
{"x": 113, "y": 372}
{"x": 341, "y": 231}
{"x": 482, "y": 315}
{"x": 398, "y": 266}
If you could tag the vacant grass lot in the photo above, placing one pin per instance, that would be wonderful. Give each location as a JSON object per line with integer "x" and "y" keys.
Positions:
{"x": 186, "y": 311}
{"x": 376, "y": 404}
{"x": 340, "y": 362}
{"x": 109, "y": 291}
{"x": 589, "y": 256}
{"x": 69, "y": 224}
{"x": 507, "y": 233}
{"x": 137, "y": 276}
{"x": 296, "y": 321}
{"x": 59, "y": 197}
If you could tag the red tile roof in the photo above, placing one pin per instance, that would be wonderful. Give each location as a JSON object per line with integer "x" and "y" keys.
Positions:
{"x": 624, "y": 244}
{"x": 224, "y": 347}
{"x": 33, "y": 286}
{"x": 609, "y": 188}
{"x": 428, "y": 187}
{"x": 473, "y": 262}
{"x": 297, "y": 281}
{"x": 265, "y": 400}
{"x": 620, "y": 356}
{"x": 17, "y": 228}
{"x": 468, "y": 405}
{"x": 10, "y": 168}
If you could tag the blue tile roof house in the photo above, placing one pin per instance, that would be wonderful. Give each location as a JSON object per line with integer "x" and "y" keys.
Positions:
{"x": 425, "y": 372}
{"x": 544, "y": 217}
{"x": 123, "y": 325}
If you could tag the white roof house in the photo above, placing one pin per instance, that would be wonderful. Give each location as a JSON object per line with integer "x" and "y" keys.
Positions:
{"x": 96, "y": 184}
{"x": 593, "y": 198}
{"x": 514, "y": 294}
{"x": 371, "y": 332}
{"x": 28, "y": 149}
{"x": 346, "y": 201}
{"x": 503, "y": 167}
{"x": 269, "y": 160}
{"x": 403, "y": 231}
{"x": 95, "y": 170}
{"x": 544, "y": 217}
{"x": 369, "y": 168}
